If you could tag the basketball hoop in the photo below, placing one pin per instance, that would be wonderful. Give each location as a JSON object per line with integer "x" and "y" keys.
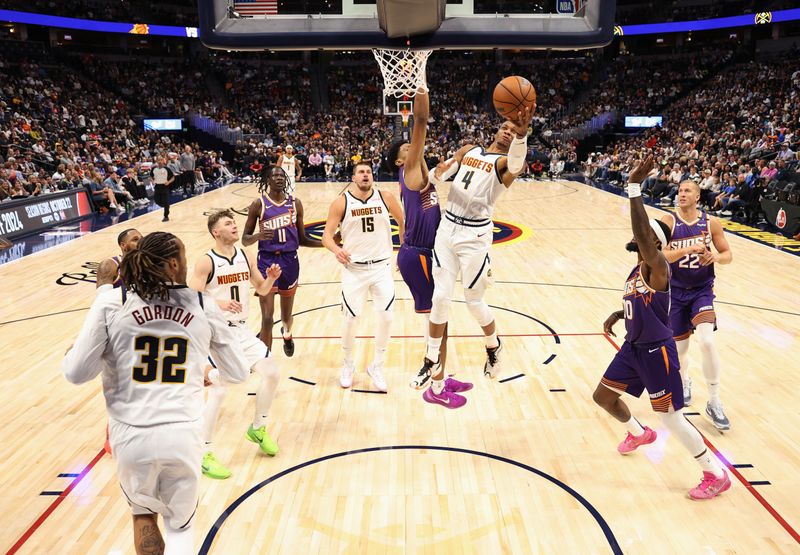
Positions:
{"x": 403, "y": 71}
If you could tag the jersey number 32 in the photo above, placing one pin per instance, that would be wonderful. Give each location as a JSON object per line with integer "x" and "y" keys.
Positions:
{"x": 161, "y": 355}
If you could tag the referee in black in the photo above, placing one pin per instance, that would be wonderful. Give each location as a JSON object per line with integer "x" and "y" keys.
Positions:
{"x": 162, "y": 180}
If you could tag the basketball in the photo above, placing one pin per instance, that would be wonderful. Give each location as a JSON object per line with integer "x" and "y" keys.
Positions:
{"x": 512, "y": 95}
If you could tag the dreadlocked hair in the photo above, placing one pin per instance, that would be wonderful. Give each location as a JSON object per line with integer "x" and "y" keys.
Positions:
{"x": 144, "y": 270}
{"x": 263, "y": 179}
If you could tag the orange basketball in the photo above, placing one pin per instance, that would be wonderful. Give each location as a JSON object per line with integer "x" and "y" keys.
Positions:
{"x": 512, "y": 95}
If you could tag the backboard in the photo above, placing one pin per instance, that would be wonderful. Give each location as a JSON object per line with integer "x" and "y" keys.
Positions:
{"x": 353, "y": 24}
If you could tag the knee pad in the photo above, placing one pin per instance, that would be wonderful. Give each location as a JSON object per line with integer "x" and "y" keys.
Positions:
{"x": 267, "y": 369}
{"x": 705, "y": 335}
{"x": 440, "y": 306}
{"x": 478, "y": 307}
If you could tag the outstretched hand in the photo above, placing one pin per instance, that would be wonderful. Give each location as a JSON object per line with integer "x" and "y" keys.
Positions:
{"x": 642, "y": 170}
{"x": 274, "y": 271}
{"x": 522, "y": 121}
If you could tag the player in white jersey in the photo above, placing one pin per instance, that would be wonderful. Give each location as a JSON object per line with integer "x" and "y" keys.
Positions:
{"x": 151, "y": 345}
{"x": 291, "y": 165}
{"x": 226, "y": 272}
{"x": 362, "y": 216}
{"x": 464, "y": 237}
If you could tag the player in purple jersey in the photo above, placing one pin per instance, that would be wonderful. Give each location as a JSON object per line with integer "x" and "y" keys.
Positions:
{"x": 414, "y": 260}
{"x": 281, "y": 231}
{"x": 648, "y": 358}
{"x": 692, "y": 260}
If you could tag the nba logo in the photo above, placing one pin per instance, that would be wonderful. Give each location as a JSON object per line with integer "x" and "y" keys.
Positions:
{"x": 565, "y": 6}
{"x": 780, "y": 220}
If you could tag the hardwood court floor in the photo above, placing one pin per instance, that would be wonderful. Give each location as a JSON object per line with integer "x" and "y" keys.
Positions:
{"x": 521, "y": 469}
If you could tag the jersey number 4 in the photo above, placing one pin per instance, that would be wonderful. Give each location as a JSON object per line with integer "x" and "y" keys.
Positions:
{"x": 166, "y": 354}
{"x": 466, "y": 179}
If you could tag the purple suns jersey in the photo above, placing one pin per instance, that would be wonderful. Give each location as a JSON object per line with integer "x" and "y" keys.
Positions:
{"x": 646, "y": 310}
{"x": 687, "y": 272}
{"x": 282, "y": 219}
{"x": 422, "y": 214}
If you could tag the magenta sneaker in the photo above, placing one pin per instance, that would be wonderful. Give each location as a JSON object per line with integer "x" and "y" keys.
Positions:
{"x": 711, "y": 486}
{"x": 445, "y": 398}
{"x": 631, "y": 442}
{"x": 452, "y": 385}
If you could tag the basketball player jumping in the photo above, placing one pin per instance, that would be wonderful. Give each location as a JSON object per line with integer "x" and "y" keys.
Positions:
{"x": 281, "y": 231}
{"x": 225, "y": 273}
{"x": 648, "y": 358}
{"x": 692, "y": 311}
{"x": 108, "y": 270}
{"x": 289, "y": 163}
{"x": 362, "y": 215}
{"x": 151, "y": 346}
{"x": 464, "y": 238}
{"x": 415, "y": 258}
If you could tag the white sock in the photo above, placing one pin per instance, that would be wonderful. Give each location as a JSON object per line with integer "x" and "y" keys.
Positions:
{"x": 382, "y": 331}
{"x": 216, "y": 394}
{"x": 711, "y": 365}
{"x": 690, "y": 438}
{"x": 434, "y": 346}
{"x": 287, "y": 332}
{"x": 634, "y": 427}
{"x": 437, "y": 386}
{"x": 683, "y": 358}
{"x": 348, "y": 338}
{"x": 708, "y": 462}
{"x": 491, "y": 340}
{"x": 267, "y": 370}
{"x": 179, "y": 542}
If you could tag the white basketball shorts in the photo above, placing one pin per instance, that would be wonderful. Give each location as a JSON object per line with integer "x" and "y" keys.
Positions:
{"x": 373, "y": 279}
{"x": 159, "y": 468}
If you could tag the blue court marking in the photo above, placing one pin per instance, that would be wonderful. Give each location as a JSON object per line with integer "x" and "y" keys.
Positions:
{"x": 51, "y": 493}
{"x": 302, "y": 381}
{"x": 251, "y": 393}
{"x": 368, "y": 391}
{"x": 691, "y": 414}
{"x": 68, "y": 475}
{"x": 549, "y": 360}
{"x": 606, "y": 529}
{"x": 557, "y": 390}
{"x": 504, "y": 380}
{"x": 760, "y": 483}
{"x": 745, "y": 465}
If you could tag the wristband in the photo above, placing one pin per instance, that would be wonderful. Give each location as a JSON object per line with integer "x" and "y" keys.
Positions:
{"x": 634, "y": 190}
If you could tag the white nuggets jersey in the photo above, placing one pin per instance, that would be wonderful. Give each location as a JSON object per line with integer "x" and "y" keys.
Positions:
{"x": 288, "y": 165}
{"x": 476, "y": 187}
{"x": 230, "y": 279}
{"x": 153, "y": 354}
{"x": 366, "y": 228}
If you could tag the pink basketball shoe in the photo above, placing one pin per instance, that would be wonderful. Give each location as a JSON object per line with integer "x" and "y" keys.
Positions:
{"x": 711, "y": 486}
{"x": 632, "y": 442}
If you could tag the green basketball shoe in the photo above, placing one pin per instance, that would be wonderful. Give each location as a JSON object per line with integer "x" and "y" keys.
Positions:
{"x": 213, "y": 468}
{"x": 260, "y": 436}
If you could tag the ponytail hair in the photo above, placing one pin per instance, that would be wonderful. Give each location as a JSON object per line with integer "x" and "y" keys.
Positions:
{"x": 145, "y": 270}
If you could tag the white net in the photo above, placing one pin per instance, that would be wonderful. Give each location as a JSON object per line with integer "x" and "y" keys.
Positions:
{"x": 403, "y": 70}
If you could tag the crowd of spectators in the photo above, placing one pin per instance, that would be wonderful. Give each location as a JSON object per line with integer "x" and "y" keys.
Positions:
{"x": 736, "y": 135}
{"x": 59, "y": 130}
